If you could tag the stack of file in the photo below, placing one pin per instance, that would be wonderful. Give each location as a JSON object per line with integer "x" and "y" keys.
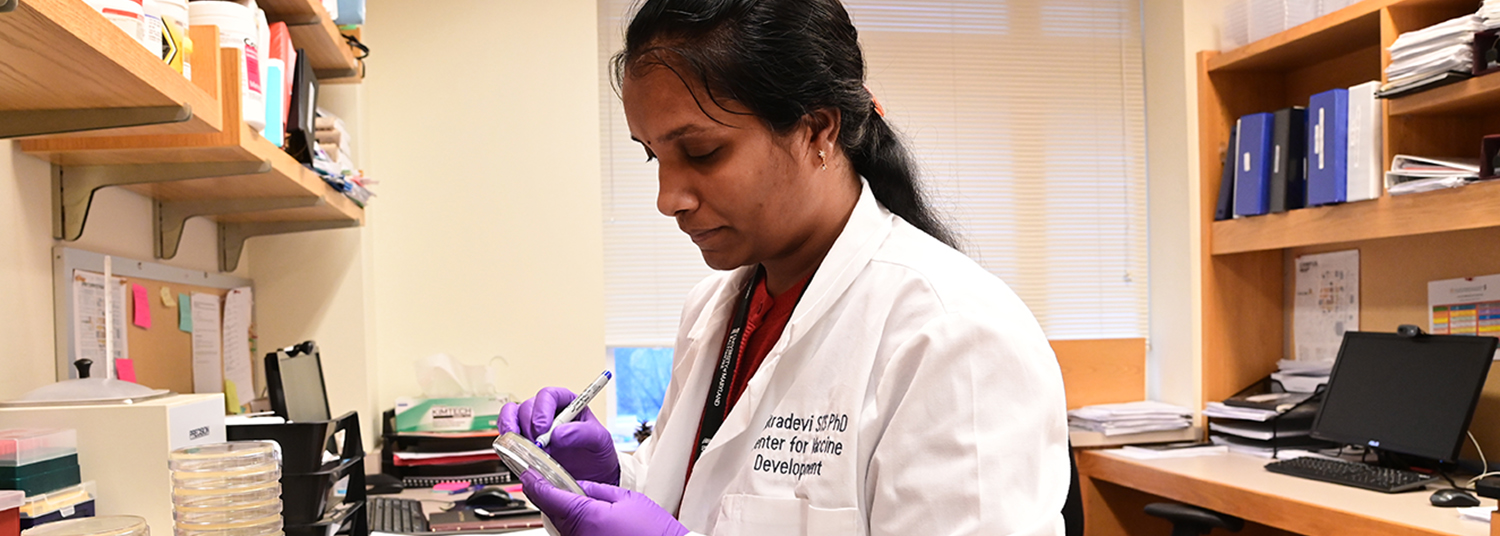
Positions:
{"x": 1432, "y": 56}
{"x": 1413, "y": 174}
{"x": 1302, "y": 376}
{"x": 1267, "y": 419}
{"x": 1490, "y": 12}
{"x": 1130, "y": 418}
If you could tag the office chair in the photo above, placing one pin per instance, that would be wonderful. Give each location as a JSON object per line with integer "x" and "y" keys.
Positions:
{"x": 1072, "y": 510}
{"x": 1194, "y": 521}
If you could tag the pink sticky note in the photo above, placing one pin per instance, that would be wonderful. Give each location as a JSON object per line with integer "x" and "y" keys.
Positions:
{"x": 142, "y": 306}
{"x": 125, "y": 369}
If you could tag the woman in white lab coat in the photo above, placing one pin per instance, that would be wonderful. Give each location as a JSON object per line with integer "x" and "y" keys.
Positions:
{"x": 848, "y": 372}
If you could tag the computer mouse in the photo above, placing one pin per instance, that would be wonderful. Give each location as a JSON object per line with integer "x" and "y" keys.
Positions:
{"x": 382, "y": 484}
{"x": 1451, "y": 497}
{"x": 490, "y": 498}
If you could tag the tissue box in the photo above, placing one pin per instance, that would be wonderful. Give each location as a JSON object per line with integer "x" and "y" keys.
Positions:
{"x": 476, "y": 414}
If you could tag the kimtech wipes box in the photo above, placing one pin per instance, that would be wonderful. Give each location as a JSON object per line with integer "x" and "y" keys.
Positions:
{"x": 473, "y": 414}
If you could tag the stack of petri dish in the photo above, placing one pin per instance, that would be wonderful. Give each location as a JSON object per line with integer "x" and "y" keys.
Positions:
{"x": 227, "y": 489}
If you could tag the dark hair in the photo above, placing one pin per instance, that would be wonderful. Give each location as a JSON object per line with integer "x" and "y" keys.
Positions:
{"x": 784, "y": 59}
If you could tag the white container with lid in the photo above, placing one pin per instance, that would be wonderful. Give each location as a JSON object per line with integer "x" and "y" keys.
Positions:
{"x": 93, "y": 526}
{"x": 126, "y": 14}
{"x": 262, "y": 50}
{"x": 151, "y": 27}
{"x": 237, "y": 30}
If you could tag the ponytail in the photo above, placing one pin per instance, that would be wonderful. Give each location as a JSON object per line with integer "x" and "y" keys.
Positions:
{"x": 885, "y": 163}
{"x": 784, "y": 59}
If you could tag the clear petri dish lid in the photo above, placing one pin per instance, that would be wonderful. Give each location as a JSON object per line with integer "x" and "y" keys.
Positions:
{"x": 520, "y": 454}
{"x": 227, "y": 480}
{"x": 225, "y": 456}
{"x": 266, "y": 526}
{"x": 94, "y": 526}
{"x": 221, "y": 515}
{"x": 217, "y": 498}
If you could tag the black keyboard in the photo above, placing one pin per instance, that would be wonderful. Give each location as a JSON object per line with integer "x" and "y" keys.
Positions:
{"x": 400, "y": 516}
{"x": 1359, "y": 475}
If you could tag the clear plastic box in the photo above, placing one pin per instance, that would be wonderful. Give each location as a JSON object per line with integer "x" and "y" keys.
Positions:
{"x": 24, "y": 446}
{"x": 225, "y": 456}
{"x": 40, "y": 505}
{"x": 10, "y": 515}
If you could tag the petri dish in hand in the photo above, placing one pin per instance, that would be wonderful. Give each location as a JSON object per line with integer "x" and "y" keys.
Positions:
{"x": 520, "y": 454}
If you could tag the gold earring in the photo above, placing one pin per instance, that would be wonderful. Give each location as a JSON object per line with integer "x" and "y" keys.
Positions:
{"x": 824, "y": 157}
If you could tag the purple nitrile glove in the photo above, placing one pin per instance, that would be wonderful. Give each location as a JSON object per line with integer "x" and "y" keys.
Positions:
{"x": 583, "y": 447}
{"x": 606, "y": 511}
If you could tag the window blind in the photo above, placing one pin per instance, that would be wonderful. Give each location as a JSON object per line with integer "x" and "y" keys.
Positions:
{"x": 1028, "y": 120}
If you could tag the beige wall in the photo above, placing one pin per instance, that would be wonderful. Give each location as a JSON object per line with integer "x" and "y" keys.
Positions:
{"x": 482, "y": 127}
{"x": 1175, "y": 31}
{"x": 119, "y": 224}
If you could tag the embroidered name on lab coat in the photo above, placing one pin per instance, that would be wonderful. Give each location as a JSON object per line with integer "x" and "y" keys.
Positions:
{"x": 797, "y": 445}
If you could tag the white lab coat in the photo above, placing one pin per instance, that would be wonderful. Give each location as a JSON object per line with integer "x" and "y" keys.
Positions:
{"x": 911, "y": 393}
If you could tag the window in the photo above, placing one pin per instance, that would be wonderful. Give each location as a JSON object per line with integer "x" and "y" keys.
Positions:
{"x": 1028, "y": 118}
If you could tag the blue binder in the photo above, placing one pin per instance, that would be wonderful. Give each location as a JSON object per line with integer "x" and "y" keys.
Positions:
{"x": 1252, "y": 171}
{"x": 1328, "y": 146}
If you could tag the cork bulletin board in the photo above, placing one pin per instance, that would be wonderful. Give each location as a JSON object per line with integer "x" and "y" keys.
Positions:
{"x": 163, "y": 353}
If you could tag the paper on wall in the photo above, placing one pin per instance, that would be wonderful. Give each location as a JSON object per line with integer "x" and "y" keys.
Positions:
{"x": 208, "y": 374}
{"x": 237, "y": 372}
{"x": 1327, "y": 303}
{"x": 88, "y": 319}
{"x": 1467, "y": 306}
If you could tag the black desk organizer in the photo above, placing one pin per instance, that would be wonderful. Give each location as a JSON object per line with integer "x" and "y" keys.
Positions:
{"x": 310, "y": 501}
{"x": 485, "y": 473}
{"x": 1305, "y": 410}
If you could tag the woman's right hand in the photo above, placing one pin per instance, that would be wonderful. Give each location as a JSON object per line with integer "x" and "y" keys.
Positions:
{"x": 583, "y": 447}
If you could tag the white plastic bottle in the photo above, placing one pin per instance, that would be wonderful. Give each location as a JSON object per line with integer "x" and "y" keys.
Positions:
{"x": 174, "y": 14}
{"x": 237, "y": 30}
{"x": 125, "y": 14}
{"x": 150, "y": 35}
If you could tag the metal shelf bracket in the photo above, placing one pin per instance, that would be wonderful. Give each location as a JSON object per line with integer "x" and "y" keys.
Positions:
{"x": 232, "y": 235}
{"x": 73, "y": 187}
{"x": 17, "y": 123}
{"x": 171, "y": 216}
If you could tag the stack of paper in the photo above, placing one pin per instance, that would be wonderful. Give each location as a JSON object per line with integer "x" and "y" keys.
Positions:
{"x": 1413, "y": 174}
{"x": 1130, "y": 418}
{"x": 1490, "y": 12}
{"x": 1220, "y": 410}
{"x": 1431, "y": 56}
{"x": 1302, "y": 376}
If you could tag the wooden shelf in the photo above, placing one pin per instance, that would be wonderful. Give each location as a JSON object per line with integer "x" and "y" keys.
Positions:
{"x": 1341, "y": 32}
{"x": 1473, "y": 206}
{"x": 284, "y": 194}
{"x": 1344, "y": 31}
{"x": 62, "y": 55}
{"x": 1475, "y": 95}
{"x": 314, "y": 31}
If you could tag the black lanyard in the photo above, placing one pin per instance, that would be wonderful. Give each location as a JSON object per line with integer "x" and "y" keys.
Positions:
{"x": 716, "y": 407}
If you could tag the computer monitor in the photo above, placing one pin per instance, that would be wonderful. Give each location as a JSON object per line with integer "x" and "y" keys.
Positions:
{"x": 1407, "y": 395}
{"x": 294, "y": 377}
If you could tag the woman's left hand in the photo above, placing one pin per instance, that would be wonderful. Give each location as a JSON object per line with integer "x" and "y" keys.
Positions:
{"x": 605, "y": 511}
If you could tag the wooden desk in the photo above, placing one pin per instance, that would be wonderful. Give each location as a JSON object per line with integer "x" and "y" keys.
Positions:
{"x": 1238, "y": 485}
